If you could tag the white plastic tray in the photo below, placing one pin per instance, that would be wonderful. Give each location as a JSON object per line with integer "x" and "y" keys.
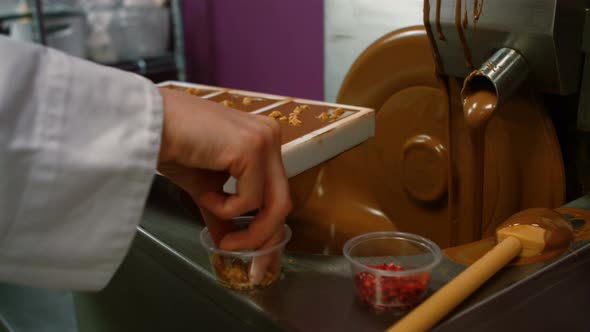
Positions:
{"x": 315, "y": 147}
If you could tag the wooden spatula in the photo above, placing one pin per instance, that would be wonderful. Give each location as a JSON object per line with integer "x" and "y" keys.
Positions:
{"x": 527, "y": 233}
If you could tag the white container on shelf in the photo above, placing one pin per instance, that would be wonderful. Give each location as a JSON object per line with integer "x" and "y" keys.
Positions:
{"x": 9, "y": 6}
{"x": 67, "y": 34}
{"x": 56, "y": 5}
{"x": 128, "y": 33}
{"x": 21, "y": 30}
{"x": 88, "y": 5}
{"x": 159, "y": 3}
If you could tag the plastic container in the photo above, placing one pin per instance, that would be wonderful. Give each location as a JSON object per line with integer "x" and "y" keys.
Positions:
{"x": 235, "y": 269}
{"x": 67, "y": 33}
{"x": 57, "y": 5}
{"x": 9, "y": 7}
{"x": 140, "y": 32}
{"x": 128, "y": 33}
{"x": 391, "y": 269}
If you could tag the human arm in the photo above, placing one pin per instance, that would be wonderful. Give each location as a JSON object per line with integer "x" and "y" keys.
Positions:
{"x": 78, "y": 146}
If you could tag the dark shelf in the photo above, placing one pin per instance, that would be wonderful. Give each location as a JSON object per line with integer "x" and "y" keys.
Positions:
{"x": 167, "y": 66}
{"x": 5, "y": 16}
{"x": 148, "y": 66}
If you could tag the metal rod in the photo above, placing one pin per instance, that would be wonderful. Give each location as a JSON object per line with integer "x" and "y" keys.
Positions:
{"x": 178, "y": 39}
{"x": 36, "y": 7}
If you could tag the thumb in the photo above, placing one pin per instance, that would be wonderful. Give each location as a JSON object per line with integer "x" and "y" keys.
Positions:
{"x": 270, "y": 262}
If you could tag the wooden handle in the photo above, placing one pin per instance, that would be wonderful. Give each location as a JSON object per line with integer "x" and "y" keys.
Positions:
{"x": 427, "y": 314}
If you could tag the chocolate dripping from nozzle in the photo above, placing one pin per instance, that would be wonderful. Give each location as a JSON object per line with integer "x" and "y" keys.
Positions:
{"x": 502, "y": 74}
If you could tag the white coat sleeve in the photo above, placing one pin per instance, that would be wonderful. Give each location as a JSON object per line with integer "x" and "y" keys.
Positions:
{"x": 78, "y": 147}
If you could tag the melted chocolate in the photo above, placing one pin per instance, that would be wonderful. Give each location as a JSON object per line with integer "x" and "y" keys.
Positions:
{"x": 465, "y": 22}
{"x": 478, "y": 107}
{"x": 477, "y": 136}
{"x": 469, "y": 253}
{"x": 477, "y": 11}
{"x": 466, "y": 52}
{"x": 558, "y": 230}
{"x": 434, "y": 48}
{"x": 479, "y": 103}
{"x": 441, "y": 36}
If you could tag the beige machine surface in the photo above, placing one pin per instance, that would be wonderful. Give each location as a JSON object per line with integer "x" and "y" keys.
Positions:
{"x": 418, "y": 173}
{"x": 440, "y": 173}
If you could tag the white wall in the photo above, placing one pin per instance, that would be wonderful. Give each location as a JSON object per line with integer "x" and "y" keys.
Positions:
{"x": 352, "y": 25}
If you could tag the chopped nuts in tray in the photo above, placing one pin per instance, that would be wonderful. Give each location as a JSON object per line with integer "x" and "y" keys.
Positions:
{"x": 304, "y": 118}
{"x": 242, "y": 102}
{"x": 193, "y": 91}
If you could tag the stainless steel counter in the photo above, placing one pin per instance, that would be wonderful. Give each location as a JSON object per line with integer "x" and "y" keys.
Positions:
{"x": 165, "y": 284}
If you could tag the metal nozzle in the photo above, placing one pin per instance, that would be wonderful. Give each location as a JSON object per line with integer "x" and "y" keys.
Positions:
{"x": 505, "y": 70}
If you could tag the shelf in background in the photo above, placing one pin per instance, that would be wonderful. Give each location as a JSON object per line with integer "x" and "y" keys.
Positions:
{"x": 148, "y": 66}
{"x": 164, "y": 67}
{"x": 6, "y": 16}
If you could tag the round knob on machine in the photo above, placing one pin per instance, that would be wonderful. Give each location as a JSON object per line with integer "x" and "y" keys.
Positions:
{"x": 424, "y": 168}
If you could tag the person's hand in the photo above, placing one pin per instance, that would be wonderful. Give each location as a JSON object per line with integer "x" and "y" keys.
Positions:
{"x": 203, "y": 143}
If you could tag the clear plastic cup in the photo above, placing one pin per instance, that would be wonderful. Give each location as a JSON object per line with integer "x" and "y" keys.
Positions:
{"x": 246, "y": 269}
{"x": 391, "y": 269}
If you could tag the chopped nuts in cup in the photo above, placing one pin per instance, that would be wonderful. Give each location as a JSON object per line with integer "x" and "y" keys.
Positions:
{"x": 246, "y": 269}
{"x": 233, "y": 273}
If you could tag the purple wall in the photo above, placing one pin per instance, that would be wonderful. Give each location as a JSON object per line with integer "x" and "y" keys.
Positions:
{"x": 265, "y": 45}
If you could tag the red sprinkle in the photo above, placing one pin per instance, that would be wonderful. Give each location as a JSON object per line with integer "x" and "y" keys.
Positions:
{"x": 383, "y": 292}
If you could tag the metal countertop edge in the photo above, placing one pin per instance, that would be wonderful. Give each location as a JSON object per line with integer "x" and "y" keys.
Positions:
{"x": 239, "y": 306}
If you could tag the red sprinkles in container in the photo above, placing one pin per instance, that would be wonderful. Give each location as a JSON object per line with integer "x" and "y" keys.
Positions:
{"x": 383, "y": 292}
{"x": 391, "y": 270}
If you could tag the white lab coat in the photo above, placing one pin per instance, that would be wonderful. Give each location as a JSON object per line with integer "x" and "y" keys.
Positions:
{"x": 78, "y": 148}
